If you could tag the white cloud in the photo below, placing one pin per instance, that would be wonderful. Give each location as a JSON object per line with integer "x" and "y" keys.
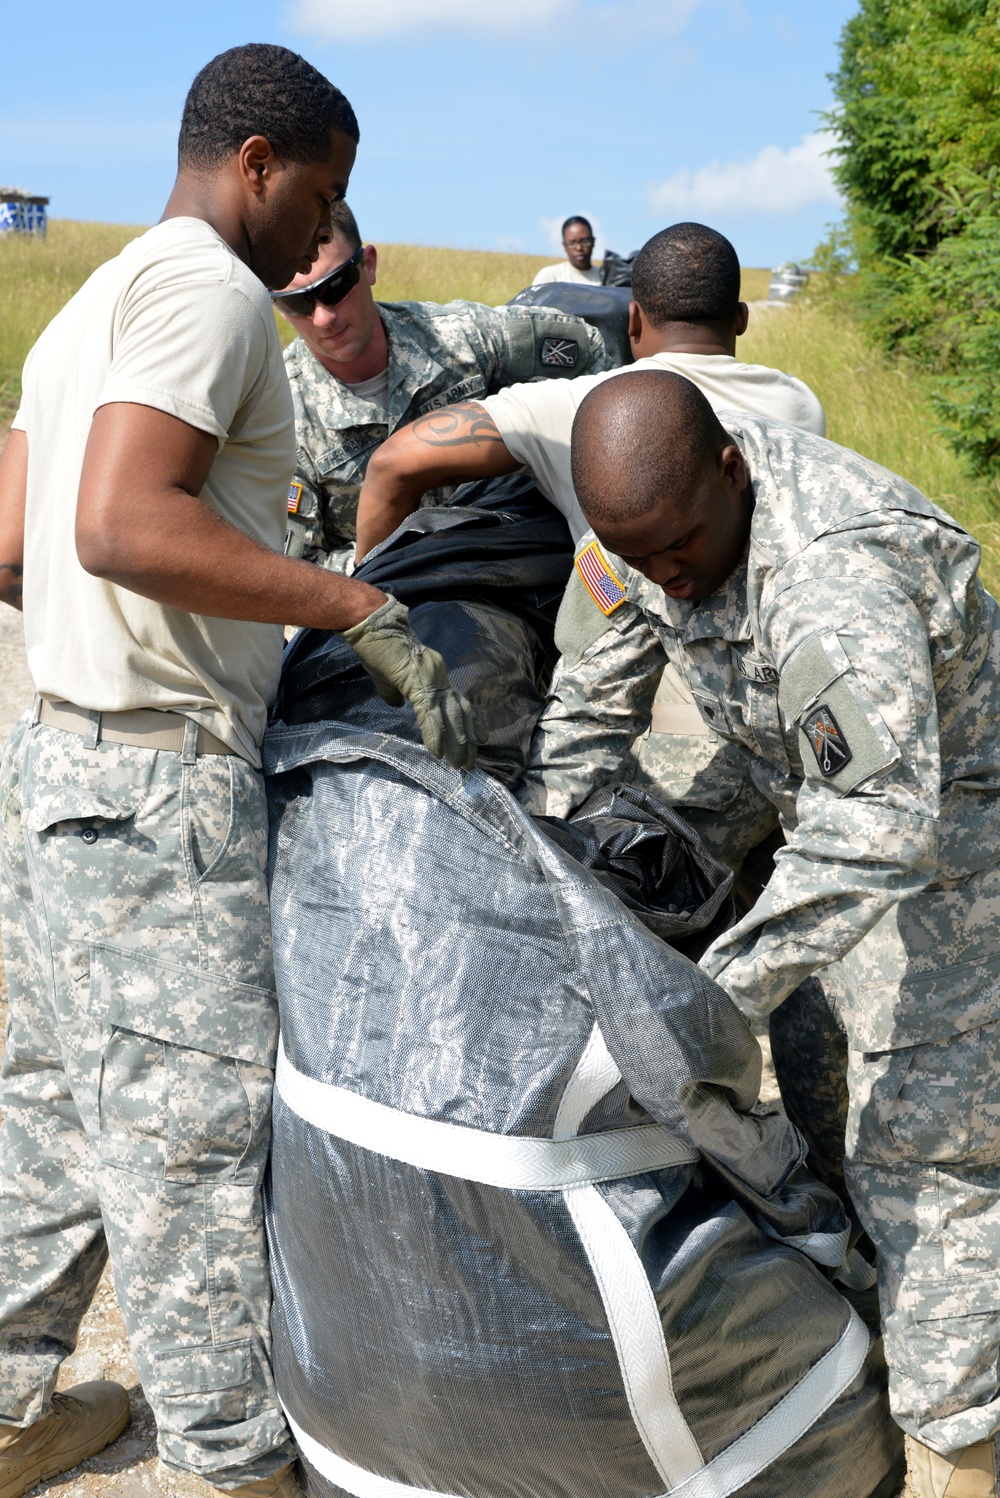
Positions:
{"x": 511, "y": 244}
{"x": 344, "y": 20}
{"x": 347, "y": 20}
{"x": 773, "y": 182}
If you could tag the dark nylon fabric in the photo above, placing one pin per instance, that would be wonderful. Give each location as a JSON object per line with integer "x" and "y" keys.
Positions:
{"x": 436, "y": 952}
{"x": 483, "y": 578}
{"x": 650, "y": 858}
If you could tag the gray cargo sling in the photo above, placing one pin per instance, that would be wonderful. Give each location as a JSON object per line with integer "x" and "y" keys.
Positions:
{"x": 531, "y": 1235}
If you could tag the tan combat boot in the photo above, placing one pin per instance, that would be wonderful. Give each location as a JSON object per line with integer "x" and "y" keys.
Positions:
{"x": 282, "y": 1485}
{"x": 965, "y": 1474}
{"x": 82, "y": 1422}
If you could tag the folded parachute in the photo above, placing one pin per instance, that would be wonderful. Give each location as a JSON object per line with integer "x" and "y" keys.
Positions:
{"x": 531, "y": 1234}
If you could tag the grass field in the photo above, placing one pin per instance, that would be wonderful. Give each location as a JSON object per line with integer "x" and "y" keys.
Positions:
{"x": 872, "y": 405}
{"x": 38, "y": 276}
{"x": 878, "y": 408}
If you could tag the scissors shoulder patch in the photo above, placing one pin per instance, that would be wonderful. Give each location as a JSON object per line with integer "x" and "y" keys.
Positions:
{"x": 598, "y": 579}
{"x": 560, "y": 353}
{"x": 828, "y": 743}
{"x": 842, "y": 733}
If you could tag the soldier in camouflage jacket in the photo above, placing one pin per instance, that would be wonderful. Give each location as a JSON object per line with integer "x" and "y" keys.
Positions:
{"x": 846, "y": 646}
{"x": 360, "y": 369}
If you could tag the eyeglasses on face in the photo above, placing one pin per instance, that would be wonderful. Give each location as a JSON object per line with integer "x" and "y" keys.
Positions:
{"x": 579, "y": 244}
{"x": 329, "y": 289}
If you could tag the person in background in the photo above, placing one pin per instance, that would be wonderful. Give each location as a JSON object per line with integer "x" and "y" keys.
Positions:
{"x": 359, "y": 369}
{"x": 578, "y": 242}
{"x": 142, "y": 499}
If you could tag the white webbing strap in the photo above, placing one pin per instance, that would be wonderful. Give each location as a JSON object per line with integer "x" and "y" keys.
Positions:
{"x": 624, "y": 1288}
{"x": 572, "y": 1164}
{"x": 512, "y": 1162}
{"x": 594, "y": 1075}
{"x": 773, "y": 1435}
{"x": 785, "y": 1422}
{"x": 637, "y": 1332}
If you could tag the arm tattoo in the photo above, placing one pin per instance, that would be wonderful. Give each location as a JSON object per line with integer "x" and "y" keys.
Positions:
{"x": 10, "y": 591}
{"x": 462, "y": 425}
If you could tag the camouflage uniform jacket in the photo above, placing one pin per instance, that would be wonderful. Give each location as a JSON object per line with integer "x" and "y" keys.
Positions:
{"x": 438, "y": 354}
{"x": 854, "y": 657}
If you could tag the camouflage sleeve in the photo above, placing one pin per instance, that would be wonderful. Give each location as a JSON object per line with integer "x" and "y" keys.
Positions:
{"x": 857, "y": 708}
{"x": 597, "y": 358}
{"x": 305, "y": 535}
{"x": 533, "y": 343}
{"x": 600, "y": 700}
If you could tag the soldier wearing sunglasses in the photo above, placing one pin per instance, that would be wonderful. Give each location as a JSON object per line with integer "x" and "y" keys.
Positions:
{"x": 360, "y": 368}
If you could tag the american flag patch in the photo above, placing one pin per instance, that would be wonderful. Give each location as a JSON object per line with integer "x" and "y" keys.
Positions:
{"x": 598, "y": 579}
{"x": 294, "y": 498}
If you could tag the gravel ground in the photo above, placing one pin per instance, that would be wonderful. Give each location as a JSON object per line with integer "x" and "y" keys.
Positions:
{"x": 128, "y": 1468}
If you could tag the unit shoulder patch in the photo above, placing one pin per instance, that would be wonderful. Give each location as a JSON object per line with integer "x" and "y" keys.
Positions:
{"x": 559, "y": 353}
{"x": 294, "y": 498}
{"x": 826, "y": 740}
{"x": 598, "y": 579}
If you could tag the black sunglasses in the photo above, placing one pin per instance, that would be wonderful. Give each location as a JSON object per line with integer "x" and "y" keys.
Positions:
{"x": 329, "y": 289}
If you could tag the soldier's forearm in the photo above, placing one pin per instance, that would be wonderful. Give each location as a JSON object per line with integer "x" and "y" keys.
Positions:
{"x": 449, "y": 446}
{"x": 13, "y": 490}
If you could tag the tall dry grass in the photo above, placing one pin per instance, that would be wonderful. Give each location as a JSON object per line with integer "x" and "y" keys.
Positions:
{"x": 37, "y": 276}
{"x": 878, "y": 407}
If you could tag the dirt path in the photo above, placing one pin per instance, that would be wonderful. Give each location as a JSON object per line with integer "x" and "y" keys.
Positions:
{"x": 129, "y": 1467}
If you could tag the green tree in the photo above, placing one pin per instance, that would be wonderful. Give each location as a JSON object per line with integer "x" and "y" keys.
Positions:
{"x": 918, "y": 129}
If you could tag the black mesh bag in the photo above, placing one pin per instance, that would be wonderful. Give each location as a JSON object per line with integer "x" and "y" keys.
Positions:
{"x": 616, "y": 270}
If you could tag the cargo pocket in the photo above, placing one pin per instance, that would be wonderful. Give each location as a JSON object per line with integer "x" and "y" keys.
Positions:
{"x": 203, "y": 1382}
{"x": 207, "y": 812}
{"x": 926, "y": 1101}
{"x": 187, "y": 1066}
{"x": 941, "y": 1339}
{"x": 931, "y": 1116}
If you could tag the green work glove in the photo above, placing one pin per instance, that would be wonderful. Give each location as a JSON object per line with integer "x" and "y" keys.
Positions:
{"x": 401, "y": 667}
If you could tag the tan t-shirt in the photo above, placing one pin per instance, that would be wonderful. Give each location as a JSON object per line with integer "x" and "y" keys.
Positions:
{"x": 536, "y": 421}
{"x": 563, "y": 271}
{"x": 179, "y": 323}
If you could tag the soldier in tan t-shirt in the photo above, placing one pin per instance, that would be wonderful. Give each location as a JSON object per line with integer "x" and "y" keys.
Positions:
{"x": 142, "y": 505}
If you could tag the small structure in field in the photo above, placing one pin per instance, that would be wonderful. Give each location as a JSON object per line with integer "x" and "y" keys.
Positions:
{"x": 22, "y": 212}
{"x": 787, "y": 280}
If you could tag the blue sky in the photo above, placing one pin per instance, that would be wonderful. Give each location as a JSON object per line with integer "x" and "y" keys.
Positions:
{"x": 483, "y": 122}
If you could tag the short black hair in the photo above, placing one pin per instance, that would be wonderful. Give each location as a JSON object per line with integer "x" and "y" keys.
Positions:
{"x": 577, "y": 218}
{"x": 266, "y": 90}
{"x": 343, "y": 222}
{"x": 645, "y": 434}
{"x": 687, "y": 273}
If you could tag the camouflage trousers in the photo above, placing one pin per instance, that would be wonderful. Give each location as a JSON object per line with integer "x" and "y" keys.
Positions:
{"x": 920, "y": 1127}
{"x": 923, "y": 1168}
{"x": 137, "y": 1083}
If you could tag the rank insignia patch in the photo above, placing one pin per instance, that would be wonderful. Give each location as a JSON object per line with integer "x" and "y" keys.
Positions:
{"x": 294, "y": 498}
{"x": 598, "y": 579}
{"x": 829, "y": 745}
{"x": 560, "y": 353}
